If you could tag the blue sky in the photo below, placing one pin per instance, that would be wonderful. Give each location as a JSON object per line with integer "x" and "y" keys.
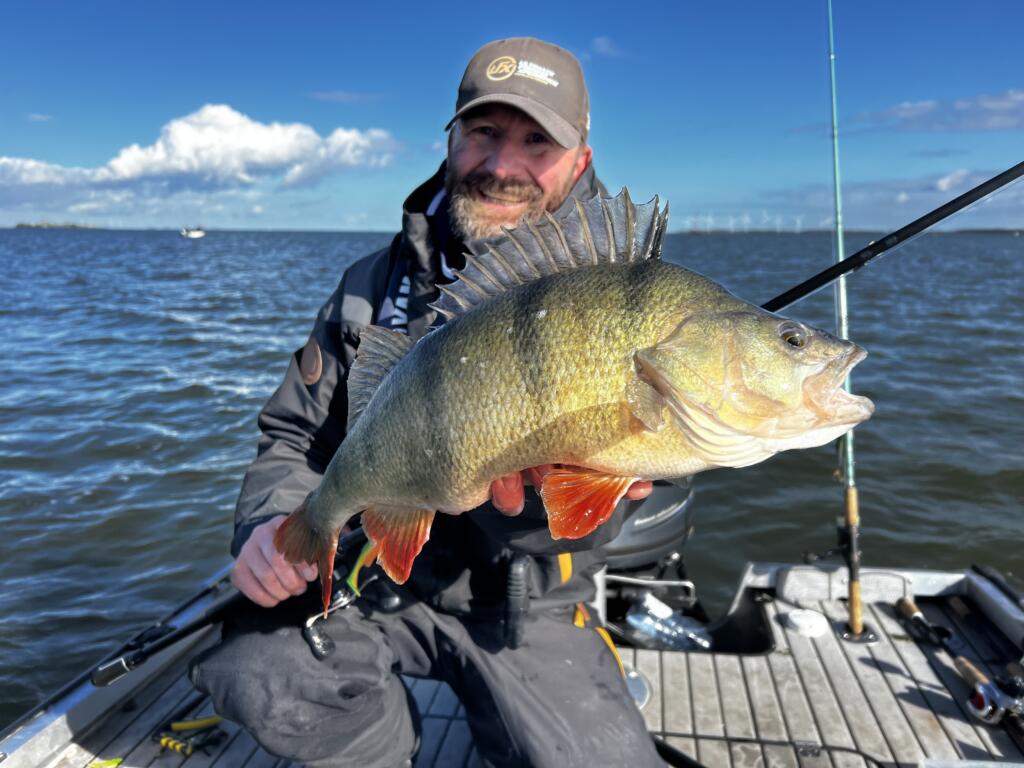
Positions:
{"x": 325, "y": 115}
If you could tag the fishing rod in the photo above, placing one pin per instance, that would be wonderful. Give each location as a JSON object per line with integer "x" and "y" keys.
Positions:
{"x": 994, "y": 702}
{"x": 849, "y": 535}
{"x": 889, "y": 242}
{"x": 161, "y": 636}
{"x": 155, "y": 639}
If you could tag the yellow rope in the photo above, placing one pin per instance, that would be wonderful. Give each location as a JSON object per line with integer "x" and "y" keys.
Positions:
{"x": 565, "y": 566}
{"x": 615, "y": 652}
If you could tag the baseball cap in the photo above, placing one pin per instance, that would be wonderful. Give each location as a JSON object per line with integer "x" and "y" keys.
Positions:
{"x": 541, "y": 79}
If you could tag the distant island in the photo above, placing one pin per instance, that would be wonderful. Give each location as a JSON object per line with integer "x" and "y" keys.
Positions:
{"x": 1014, "y": 232}
{"x": 51, "y": 225}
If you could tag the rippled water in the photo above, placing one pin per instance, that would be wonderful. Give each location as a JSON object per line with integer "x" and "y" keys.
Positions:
{"x": 134, "y": 364}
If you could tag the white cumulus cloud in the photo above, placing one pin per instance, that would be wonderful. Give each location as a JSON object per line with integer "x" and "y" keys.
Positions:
{"x": 215, "y": 141}
{"x": 215, "y": 147}
{"x": 344, "y": 147}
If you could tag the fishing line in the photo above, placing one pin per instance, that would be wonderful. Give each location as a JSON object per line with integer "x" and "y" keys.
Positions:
{"x": 893, "y": 240}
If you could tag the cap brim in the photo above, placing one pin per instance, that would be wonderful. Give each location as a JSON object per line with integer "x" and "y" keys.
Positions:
{"x": 557, "y": 127}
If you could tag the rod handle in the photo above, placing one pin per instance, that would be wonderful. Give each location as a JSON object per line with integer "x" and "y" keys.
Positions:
{"x": 921, "y": 625}
{"x": 111, "y": 671}
{"x": 856, "y": 609}
{"x": 973, "y": 676}
{"x": 909, "y": 609}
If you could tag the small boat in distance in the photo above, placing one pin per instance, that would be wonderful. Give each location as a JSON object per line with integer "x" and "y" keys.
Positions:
{"x": 193, "y": 233}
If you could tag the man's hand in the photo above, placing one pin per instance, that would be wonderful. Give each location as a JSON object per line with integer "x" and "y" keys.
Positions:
{"x": 508, "y": 495}
{"x": 262, "y": 574}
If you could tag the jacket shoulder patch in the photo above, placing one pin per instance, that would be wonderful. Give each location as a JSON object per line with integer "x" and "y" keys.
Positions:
{"x": 599, "y": 231}
{"x": 379, "y": 350}
{"x": 311, "y": 362}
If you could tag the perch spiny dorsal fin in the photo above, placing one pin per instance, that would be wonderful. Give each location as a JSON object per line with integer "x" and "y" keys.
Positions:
{"x": 599, "y": 231}
{"x": 379, "y": 350}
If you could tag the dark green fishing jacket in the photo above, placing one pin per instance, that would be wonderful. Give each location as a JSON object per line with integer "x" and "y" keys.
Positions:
{"x": 462, "y": 567}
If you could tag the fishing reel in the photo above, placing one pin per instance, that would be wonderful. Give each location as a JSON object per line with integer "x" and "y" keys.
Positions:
{"x": 344, "y": 591}
{"x": 992, "y": 700}
{"x": 320, "y": 643}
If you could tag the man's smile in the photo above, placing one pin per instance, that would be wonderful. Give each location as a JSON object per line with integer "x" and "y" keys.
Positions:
{"x": 498, "y": 199}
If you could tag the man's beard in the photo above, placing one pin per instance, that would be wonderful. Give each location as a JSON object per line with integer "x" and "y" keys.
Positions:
{"x": 473, "y": 219}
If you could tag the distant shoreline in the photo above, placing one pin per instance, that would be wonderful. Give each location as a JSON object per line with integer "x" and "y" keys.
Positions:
{"x": 969, "y": 231}
{"x": 49, "y": 225}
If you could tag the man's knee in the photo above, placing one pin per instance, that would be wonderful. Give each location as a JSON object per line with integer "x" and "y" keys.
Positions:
{"x": 347, "y": 709}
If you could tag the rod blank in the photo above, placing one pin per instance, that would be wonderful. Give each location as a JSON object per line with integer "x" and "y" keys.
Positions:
{"x": 890, "y": 241}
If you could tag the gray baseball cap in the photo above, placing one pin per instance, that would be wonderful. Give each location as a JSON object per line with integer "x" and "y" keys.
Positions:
{"x": 541, "y": 79}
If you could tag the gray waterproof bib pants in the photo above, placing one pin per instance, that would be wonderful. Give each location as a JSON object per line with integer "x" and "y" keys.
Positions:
{"x": 559, "y": 699}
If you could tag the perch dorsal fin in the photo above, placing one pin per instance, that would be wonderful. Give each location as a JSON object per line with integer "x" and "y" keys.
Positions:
{"x": 379, "y": 350}
{"x": 599, "y": 231}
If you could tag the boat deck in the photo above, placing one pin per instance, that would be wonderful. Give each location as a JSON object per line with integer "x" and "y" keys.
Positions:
{"x": 807, "y": 703}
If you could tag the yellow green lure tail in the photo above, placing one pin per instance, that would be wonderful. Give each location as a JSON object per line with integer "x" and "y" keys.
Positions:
{"x": 366, "y": 558}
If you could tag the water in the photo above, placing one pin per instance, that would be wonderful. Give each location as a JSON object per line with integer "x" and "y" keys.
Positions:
{"x": 134, "y": 364}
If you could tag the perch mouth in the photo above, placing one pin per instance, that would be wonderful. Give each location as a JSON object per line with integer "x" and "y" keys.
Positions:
{"x": 826, "y": 398}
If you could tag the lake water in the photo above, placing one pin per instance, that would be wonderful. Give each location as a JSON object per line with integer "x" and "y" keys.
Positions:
{"x": 134, "y": 364}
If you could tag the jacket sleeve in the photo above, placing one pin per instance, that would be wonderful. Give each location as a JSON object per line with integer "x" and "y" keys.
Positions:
{"x": 301, "y": 425}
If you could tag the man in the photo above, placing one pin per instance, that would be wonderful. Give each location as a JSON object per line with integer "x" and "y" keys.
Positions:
{"x": 542, "y": 690}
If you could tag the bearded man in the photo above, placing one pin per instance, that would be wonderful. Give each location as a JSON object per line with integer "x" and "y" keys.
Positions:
{"x": 551, "y": 692}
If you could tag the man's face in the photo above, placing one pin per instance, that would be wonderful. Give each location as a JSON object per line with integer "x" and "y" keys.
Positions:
{"x": 503, "y": 166}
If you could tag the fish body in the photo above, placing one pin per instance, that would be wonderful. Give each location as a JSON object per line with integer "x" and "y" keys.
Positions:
{"x": 538, "y": 375}
{"x": 571, "y": 344}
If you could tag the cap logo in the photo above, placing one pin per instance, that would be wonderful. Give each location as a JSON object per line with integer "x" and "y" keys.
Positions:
{"x": 501, "y": 68}
{"x": 537, "y": 72}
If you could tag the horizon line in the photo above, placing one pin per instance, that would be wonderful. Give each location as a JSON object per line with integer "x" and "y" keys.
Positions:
{"x": 702, "y": 232}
